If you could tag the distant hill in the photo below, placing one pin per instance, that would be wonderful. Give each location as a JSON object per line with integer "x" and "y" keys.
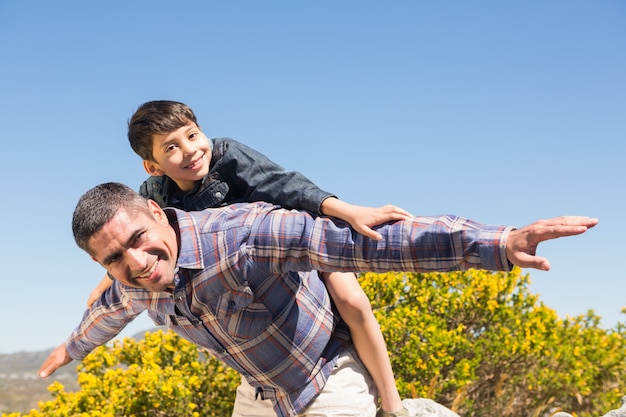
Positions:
{"x": 20, "y": 386}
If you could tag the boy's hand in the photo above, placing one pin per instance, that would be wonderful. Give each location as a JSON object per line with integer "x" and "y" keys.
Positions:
{"x": 95, "y": 294}
{"x": 361, "y": 218}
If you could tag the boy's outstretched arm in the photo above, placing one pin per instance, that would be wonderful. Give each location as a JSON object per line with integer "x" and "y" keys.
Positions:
{"x": 57, "y": 359}
{"x": 521, "y": 245}
{"x": 361, "y": 218}
{"x": 102, "y": 286}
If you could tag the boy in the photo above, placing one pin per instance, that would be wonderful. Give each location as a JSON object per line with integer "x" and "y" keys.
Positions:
{"x": 190, "y": 172}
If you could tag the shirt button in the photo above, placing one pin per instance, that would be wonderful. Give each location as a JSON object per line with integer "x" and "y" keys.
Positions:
{"x": 218, "y": 194}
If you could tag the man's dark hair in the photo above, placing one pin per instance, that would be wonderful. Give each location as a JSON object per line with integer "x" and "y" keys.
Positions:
{"x": 99, "y": 205}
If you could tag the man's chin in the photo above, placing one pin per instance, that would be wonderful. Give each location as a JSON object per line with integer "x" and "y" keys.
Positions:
{"x": 161, "y": 285}
{"x": 154, "y": 285}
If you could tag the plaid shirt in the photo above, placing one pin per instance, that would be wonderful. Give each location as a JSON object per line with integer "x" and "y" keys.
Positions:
{"x": 244, "y": 292}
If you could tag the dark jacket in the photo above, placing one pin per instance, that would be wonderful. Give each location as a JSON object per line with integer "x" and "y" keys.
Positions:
{"x": 238, "y": 174}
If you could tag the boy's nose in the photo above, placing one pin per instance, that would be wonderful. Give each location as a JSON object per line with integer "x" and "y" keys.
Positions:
{"x": 187, "y": 148}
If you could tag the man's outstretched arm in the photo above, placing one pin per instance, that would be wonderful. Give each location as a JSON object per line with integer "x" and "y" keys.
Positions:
{"x": 298, "y": 242}
{"x": 99, "y": 325}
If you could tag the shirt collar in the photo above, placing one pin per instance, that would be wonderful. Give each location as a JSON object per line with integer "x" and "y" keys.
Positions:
{"x": 190, "y": 253}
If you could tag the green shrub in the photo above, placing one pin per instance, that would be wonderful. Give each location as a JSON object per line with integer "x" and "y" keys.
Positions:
{"x": 477, "y": 342}
{"x": 162, "y": 375}
{"x": 481, "y": 344}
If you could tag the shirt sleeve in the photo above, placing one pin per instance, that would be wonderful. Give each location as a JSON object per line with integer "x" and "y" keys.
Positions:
{"x": 102, "y": 322}
{"x": 297, "y": 241}
{"x": 254, "y": 177}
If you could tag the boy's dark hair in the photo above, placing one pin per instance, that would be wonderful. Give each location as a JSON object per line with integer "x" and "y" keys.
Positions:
{"x": 156, "y": 117}
{"x": 99, "y": 205}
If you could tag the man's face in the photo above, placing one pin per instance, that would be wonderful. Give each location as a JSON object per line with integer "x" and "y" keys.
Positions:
{"x": 139, "y": 250}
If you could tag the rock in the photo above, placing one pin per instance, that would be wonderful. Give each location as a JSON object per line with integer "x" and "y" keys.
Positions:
{"x": 424, "y": 407}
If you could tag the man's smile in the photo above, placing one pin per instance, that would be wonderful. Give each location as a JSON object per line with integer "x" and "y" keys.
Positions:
{"x": 148, "y": 274}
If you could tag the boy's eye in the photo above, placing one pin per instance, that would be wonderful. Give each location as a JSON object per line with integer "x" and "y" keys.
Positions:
{"x": 170, "y": 148}
{"x": 192, "y": 136}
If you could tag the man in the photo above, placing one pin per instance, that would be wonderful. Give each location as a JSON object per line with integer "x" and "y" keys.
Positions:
{"x": 235, "y": 281}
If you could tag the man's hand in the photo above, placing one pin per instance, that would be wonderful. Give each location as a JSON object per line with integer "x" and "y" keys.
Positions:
{"x": 57, "y": 359}
{"x": 521, "y": 246}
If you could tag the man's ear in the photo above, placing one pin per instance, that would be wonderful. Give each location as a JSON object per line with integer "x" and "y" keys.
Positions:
{"x": 157, "y": 212}
{"x": 152, "y": 168}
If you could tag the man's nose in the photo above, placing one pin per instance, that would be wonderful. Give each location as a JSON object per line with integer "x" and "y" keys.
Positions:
{"x": 136, "y": 259}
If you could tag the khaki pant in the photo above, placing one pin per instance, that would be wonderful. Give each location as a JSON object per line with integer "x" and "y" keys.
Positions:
{"x": 349, "y": 392}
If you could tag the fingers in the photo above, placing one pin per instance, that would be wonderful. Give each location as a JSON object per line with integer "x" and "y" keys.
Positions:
{"x": 582, "y": 221}
{"x": 388, "y": 213}
{"x": 57, "y": 358}
{"x": 47, "y": 369}
{"x": 400, "y": 213}
{"x": 560, "y": 227}
{"x": 525, "y": 260}
{"x": 588, "y": 222}
{"x": 522, "y": 244}
{"x": 367, "y": 232}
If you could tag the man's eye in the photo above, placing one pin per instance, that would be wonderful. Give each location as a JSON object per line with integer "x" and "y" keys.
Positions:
{"x": 138, "y": 238}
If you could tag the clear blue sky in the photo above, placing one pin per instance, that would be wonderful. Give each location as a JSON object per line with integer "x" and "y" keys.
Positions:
{"x": 504, "y": 112}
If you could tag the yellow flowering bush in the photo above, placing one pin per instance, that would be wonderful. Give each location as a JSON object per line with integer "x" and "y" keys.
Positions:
{"x": 481, "y": 344}
{"x": 477, "y": 342}
{"x": 161, "y": 375}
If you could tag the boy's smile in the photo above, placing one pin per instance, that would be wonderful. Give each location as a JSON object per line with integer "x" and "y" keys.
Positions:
{"x": 184, "y": 155}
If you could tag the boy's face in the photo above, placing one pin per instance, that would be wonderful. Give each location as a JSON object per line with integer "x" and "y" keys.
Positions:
{"x": 138, "y": 249}
{"x": 183, "y": 155}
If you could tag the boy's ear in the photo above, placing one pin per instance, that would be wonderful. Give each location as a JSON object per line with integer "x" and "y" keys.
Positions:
{"x": 152, "y": 168}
